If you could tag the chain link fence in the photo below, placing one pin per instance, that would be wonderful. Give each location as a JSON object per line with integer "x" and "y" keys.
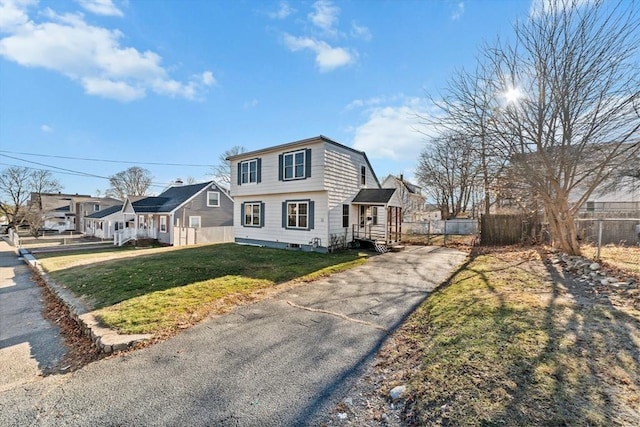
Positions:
{"x": 615, "y": 241}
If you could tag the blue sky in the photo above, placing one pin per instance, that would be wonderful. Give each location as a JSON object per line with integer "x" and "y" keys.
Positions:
{"x": 178, "y": 82}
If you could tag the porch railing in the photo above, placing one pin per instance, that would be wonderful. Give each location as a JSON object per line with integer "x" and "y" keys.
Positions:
{"x": 369, "y": 232}
{"x": 120, "y": 237}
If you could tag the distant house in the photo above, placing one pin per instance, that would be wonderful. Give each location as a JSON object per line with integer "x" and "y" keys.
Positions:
{"x": 620, "y": 201}
{"x": 182, "y": 214}
{"x": 414, "y": 206}
{"x": 103, "y": 223}
{"x": 314, "y": 194}
{"x": 66, "y": 212}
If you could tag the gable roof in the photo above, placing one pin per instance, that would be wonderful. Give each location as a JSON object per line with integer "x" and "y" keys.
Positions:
{"x": 411, "y": 187}
{"x": 170, "y": 199}
{"x": 374, "y": 195}
{"x": 302, "y": 142}
{"x": 105, "y": 212}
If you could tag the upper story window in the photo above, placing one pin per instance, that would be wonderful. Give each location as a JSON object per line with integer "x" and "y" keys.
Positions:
{"x": 363, "y": 175}
{"x": 249, "y": 171}
{"x": 213, "y": 199}
{"x": 294, "y": 165}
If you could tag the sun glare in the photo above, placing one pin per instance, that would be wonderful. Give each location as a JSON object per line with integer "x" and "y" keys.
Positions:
{"x": 512, "y": 95}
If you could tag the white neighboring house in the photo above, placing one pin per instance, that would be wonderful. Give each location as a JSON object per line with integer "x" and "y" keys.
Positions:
{"x": 414, "y": 204}
{"x": 314, "y": 194}
{"x": 102, "y": 224}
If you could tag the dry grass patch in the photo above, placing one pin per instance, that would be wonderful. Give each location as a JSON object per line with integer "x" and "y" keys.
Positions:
{"x": 620, "y": 257}
{"x": 509, "y": 342}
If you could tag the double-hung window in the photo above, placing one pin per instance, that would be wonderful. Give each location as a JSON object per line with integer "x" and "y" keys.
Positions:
{"x": 252, "y": 214}
{"x": 163, "y": 224}
{"x": 213, "y": 199}
{"x": 294, "y": 165}
{"x": 249, "y": 172}
{"x": 297, "y": 214}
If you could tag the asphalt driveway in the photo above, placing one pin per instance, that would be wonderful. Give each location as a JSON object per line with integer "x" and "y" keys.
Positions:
{"x": 286, "y": 360}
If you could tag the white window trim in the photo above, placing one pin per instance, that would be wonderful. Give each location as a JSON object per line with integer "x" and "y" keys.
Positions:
{"x": 298, "y": 226}
{"x": 217, "y": 205}
{"x": 244, "y": 219}
{"x": 163, "y": 224}
{"x": 293, "y": 165}
{"x": 199, "y": 221}
{"x": 248, "y": 174}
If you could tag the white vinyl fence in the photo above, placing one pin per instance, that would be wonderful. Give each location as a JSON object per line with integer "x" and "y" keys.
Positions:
{"x": 191, "y": 236}
{"x": 442, "y": 227}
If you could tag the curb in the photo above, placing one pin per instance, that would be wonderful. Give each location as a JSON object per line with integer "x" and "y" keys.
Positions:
{"x": 105, "y": 339}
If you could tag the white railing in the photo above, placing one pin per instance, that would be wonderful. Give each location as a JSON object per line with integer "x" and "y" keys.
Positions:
{"x": 121, "y": 237}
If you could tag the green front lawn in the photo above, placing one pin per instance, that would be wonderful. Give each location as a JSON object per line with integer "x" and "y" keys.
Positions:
{"x": 161, "y": 290}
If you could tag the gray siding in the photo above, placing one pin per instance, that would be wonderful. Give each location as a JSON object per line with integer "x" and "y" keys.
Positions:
{"x": 209, "y": 216}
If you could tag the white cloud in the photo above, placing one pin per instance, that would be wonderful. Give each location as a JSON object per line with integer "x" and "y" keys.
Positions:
{"x": 325, "y": 16}
{"x": 283, "y": 11}
{"x": 360, "y": 32}
{"x": 327, "y": 57}
{"x": 208, "y": 79}
{"x": 46, "y": 128}
{"x": 13, "y": 15}
{"x": 393, "y": 132}
{"x": 458, "y": 12}
{"x": 100, "y": 7}
{"x": 92, "y": 56}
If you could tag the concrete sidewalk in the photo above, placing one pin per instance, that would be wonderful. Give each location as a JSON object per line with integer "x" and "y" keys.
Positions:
{"x": 29, "y": 344}
{"x": 286, "y": 360}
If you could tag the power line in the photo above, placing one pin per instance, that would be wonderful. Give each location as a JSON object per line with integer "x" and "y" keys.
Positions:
{"x": 68, "y": 171}
{"x": 104, "y": 160}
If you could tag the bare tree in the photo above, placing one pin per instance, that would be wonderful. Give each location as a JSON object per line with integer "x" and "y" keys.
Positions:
{"x": 16, "y": 186}
{"x": 448, "y": 169}
{"x": 222, "y": 171}
{"x": 135, "y": 181}
{"x": 468, "y": 107}
{"x": 571, "y": 84}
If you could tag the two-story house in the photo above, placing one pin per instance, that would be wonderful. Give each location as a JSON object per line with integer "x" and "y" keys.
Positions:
{"x": 414, "y": 206}
{"x": 66, "y": 212}
{"x": 312, "y": 194}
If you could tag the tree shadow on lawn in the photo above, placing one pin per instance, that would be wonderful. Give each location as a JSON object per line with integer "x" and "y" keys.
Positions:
{"x": 587, "y": 372}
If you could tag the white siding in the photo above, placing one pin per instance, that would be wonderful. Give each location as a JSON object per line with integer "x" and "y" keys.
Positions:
{"x": 272, "y": 230}
{"x": 269, "y": 170}
{"x": 342, "y": 181}
{"x": 335, "y": 180}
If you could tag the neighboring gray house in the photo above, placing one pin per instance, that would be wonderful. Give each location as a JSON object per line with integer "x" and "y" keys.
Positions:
{"x": 314, "y": 194}
{"x": 182, "y": 214}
